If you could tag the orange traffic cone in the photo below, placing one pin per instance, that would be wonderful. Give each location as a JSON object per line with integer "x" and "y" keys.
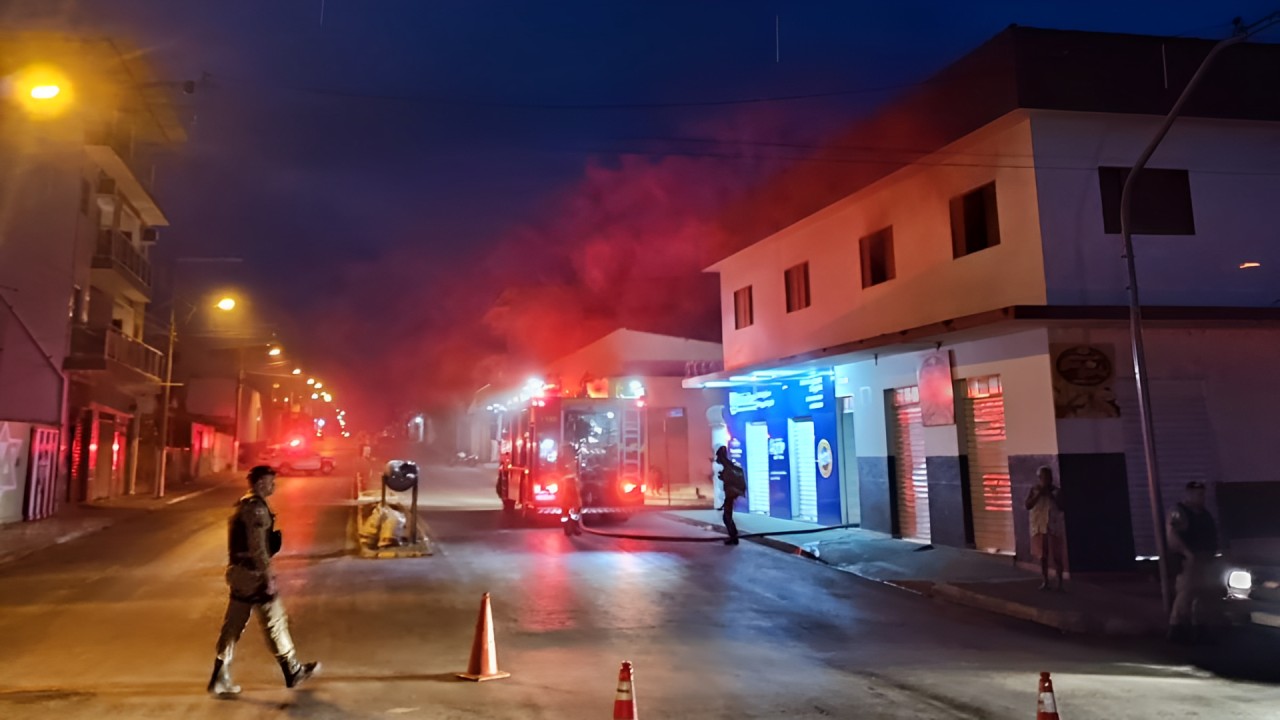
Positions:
{"x": 1047, "y": 706}
{"x": 484, "y": 651}
{"x": 624, "y": 703}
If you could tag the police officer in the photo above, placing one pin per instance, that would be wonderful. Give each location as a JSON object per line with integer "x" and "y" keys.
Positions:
{"x": 1193, "y": 541}
{"x": 252, "y": 540}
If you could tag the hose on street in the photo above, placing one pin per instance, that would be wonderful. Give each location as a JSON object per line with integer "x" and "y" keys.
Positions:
{"x": 711, "y": 538}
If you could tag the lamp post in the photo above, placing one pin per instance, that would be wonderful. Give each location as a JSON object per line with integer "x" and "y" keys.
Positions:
{"x": 1137, "y": 346}
{"x": 225, "y": 304}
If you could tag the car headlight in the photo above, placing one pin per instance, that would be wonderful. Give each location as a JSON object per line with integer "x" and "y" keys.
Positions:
{"x": 1240, "y": 580}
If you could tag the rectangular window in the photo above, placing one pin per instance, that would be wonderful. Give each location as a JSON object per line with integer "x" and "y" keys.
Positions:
{"x": 743, "y": 310}
{"x": 877, "y": 257}
{"x": 1161, "y": 202}
{"x": 975, "y": 225}
{"x": 797, "y": 280}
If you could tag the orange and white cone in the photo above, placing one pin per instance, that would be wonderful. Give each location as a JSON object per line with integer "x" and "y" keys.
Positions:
{"x": 624, "y": 703}
{"x": 484, "y": 651}
{"x": 1047, "y": 705}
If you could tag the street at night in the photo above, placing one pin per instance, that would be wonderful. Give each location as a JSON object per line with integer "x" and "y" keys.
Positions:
{"x": 122, "y": 625}
{"x": 730, "y": 359}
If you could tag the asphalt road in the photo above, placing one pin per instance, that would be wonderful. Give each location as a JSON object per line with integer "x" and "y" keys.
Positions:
{"x": 122, "y": 625}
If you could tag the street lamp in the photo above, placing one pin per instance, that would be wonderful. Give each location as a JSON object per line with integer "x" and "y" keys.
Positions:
{"x": 297, "y": 371}
{"x": 226, "y": 304}
{"x": 311, "y": 381}
{"x": 275, "y": 351}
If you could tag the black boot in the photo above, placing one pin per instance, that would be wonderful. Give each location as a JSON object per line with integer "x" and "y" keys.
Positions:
{"x": 220, "y": 684}
{"x": 296, "y": 673}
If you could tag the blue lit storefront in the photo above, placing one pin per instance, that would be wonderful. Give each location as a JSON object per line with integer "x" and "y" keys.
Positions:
{"x": 784, "y": 433}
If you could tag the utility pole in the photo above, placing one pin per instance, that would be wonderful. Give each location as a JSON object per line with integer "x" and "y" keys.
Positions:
{"x": 168, "y": 388}
{"x": 1137, "y": 346}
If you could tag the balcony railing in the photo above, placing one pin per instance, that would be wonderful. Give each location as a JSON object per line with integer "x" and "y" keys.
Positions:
{"x": 115, "y": 250}
{"x": 94, "y": 348}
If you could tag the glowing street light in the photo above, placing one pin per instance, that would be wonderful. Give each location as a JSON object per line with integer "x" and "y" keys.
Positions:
{"x": 319, "y": 385}
{"x": 226, "y": 304}
{"x": 45, "y": 92}
{"x": 275, "y": 351}
{"x": 297, "y": 371}
{"x": 311, "y": 381}
{"x": 315, "y": 396}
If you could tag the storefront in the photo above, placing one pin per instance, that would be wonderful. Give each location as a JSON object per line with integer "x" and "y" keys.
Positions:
{"x": 784, "y": 432}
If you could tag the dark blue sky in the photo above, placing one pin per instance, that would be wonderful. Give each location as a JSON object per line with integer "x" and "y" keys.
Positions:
{"x": 433, "y": 129}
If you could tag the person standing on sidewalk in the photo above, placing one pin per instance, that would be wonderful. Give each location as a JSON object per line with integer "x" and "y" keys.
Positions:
{"x": 1193, "y": 543}
{"x": 251, "y": 542}
{"x": 570, "y": 500}
{"x": 1045, "y": 506}
{"x": 734, "y": 481}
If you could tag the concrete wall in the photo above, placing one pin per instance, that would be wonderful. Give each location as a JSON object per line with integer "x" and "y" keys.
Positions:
{"x": 669, "y": 393}
{"x": 930, "y": 285}
{"x": 1021, "y": 360}
{"x": 1235, "y": 196}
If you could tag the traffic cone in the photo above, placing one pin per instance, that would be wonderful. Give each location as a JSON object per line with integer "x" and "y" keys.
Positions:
{"x": 484, "y": 651}
{"x": 1047, "y": 706}
{"x": 624, "y": 703}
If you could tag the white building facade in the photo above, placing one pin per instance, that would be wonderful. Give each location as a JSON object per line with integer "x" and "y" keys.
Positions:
{"x": 967, "y": 308}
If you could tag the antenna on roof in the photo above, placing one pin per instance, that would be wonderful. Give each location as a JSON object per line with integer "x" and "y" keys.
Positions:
{"x": 777, "y": 38}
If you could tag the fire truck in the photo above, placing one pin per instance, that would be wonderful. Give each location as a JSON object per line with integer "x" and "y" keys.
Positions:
{"x": 600, "y": 440}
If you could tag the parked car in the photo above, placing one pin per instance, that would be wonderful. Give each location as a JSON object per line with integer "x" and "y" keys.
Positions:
{"x": 299, "y": 461}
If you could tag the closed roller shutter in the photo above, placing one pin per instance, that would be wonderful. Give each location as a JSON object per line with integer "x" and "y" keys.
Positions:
{"x": 912, "y": 475}
{"x": 990, "y": 493}
{"x": 804, "y": 470}
{"x": 757, "y": 468}
{"x": 1184, "y": 445}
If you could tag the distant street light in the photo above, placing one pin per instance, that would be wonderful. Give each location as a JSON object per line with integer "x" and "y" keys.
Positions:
{"x": 315, "y": 396}
{"x": 226, "y": 304}
{"x": 274, "y": 352}
{"x": 45, "y": 92}
{"x": 319, "y": 385}
{"x": 297, "y": 371}
{"x": 311, "y": 381}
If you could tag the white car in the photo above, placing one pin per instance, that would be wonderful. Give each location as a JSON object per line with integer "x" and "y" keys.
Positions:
{"x": 300, "y": 461}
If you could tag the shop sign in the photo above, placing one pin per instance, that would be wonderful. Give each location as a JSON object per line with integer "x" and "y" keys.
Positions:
{"x": 937, "y": 398}
{"x": 1082, "y": 379}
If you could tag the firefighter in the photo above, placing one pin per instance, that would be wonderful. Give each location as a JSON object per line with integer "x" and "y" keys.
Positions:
{"x": 570, "y": 501}
{"x": 504, "y": 482}
{"x": 251, "y": 542}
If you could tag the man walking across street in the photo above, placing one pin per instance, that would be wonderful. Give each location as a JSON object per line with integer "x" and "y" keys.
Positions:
{"x": 734, "y": 481}
{"x": 252, "y": 541}
{"x": 1193, "y": 543}
{"x": 1045, "y": 506}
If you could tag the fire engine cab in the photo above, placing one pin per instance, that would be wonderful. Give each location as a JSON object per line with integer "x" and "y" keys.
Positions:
{"x": 548, "y": 437}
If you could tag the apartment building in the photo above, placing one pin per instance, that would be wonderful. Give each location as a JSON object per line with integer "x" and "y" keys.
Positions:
{"x": 78, "y": 221}
{"x": 908, "y": 356}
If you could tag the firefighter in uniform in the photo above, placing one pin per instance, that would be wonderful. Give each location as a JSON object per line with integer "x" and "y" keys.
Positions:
{"x": 252, "y": 540}
{"x": 1193, "y": 540}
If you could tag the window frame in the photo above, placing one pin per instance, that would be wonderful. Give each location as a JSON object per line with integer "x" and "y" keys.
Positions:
{"x": 865, "y": 252}
{"x": 750, "y": 313}
{"x": 804, "y": 298}
{"x": 961, "y": 205}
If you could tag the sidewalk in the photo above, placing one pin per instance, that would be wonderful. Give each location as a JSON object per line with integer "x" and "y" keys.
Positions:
{"x": 73, "y": 521}
{"x": 966, "y": 577}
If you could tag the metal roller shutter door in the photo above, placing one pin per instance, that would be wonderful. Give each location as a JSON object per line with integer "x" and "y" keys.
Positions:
{"x": 757, "y": 468}
{"x": 912, "y": 475}
{"x": 989, "y": 490}
{"x": 804, "y": 470}
{"x": 1185, "y": 447}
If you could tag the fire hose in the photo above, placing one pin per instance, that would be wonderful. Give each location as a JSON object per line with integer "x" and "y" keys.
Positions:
{"x": 687, "y": 538}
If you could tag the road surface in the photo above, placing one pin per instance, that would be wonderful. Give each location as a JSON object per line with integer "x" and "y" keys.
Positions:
{"x": 122, "y": 625}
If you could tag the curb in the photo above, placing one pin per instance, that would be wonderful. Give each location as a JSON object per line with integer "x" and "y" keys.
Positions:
{"x": 1064, "y": 621}
{"x": 83, "y": 532}
{"x": 758, "y": 539}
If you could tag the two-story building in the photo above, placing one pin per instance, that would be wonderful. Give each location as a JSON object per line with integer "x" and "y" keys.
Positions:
{"x": 78, "y": 220}
{"x": 907, "y": 357}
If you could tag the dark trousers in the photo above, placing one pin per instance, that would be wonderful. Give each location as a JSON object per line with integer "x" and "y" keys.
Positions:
{"x": 729, "y": 524}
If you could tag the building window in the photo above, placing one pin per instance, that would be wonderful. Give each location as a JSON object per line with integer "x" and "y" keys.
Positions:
{"x": 743, "y": 310}
{"x": 1161, "y": 201}
{"x": 877, "y": 257}
{"x": 975, "y": 225}
{"x": 797, "y": 280}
